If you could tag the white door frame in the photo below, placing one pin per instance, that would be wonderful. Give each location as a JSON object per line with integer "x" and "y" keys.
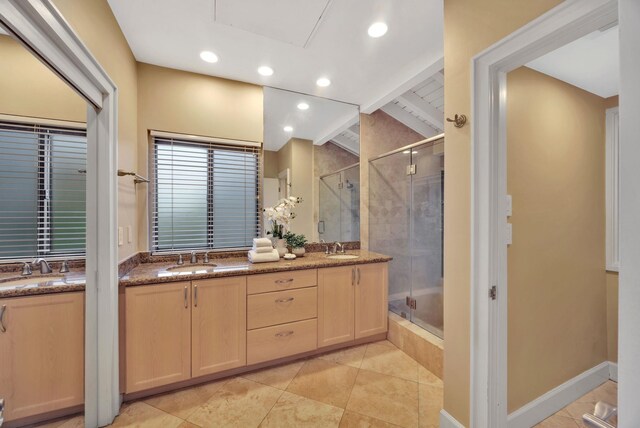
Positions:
{"x": 42, "y": 29}
{"x": 568, "y": 21}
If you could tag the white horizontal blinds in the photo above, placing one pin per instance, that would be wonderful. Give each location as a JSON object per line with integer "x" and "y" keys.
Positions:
{"x": 205, "y": 195}
{"x": 42, "y": 191}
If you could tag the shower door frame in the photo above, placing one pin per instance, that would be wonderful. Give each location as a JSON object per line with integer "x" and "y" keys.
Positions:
{"x": 433, "y": 139}
{"x": 488, "y": 330}
{"x": 40, "y": 27}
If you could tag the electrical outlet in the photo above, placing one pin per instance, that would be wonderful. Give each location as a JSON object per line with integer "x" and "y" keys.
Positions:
{"x": 120, "y": 236}
{"x": 129, "y": 235}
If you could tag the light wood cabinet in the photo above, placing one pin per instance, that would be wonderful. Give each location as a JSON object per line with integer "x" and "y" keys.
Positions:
{"x": 282, "y": 340}
{"x": 279, "y": 307}
{"x": 42, "y": 354}
{"x": 219, "y": 325}
{"x": 371, "y": 294}
{"x": 352, "y": 302}
{"x": 335, "y": 305}
{"x": 279, "y": 281}
{"x": 158, "y": 339}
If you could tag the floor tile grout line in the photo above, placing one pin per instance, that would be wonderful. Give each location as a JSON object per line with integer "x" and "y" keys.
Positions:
{"x": 355, "y": 380}
{"x": 274, "y": 405}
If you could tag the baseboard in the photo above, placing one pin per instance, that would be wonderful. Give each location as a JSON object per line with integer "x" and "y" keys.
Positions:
{"x": 613, "y": 371}
{"x": 448, "y": 421}
{"x": 559, "y": 397}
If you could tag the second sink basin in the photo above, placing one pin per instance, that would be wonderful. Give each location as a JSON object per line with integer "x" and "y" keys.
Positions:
{"x": 342, "y": 256}
{"x": 195, "y": 268}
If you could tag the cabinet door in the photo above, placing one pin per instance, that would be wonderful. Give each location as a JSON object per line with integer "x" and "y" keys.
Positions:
{"x": 42, "y": 354}
{"x": 335, "y": 305}
{"x": 219, "y": 329}
{"x": 158, "y": 330}
{"x": 371, "y": 299}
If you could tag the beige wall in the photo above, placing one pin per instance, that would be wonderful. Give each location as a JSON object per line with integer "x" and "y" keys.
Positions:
{"x": 48, "y": 97}
{"x": 469, "y": 27}
{"x": 297, "y": 155}
{"x": 270, "y": 164}
{"x": 557, "y": 285}
{"x": 379, "y": 133}
{"x": 182, "y": 102}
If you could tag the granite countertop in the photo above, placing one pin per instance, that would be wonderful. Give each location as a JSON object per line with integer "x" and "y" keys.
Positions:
{"x": 157, "y": 273}
{"x": 154, "y": 273}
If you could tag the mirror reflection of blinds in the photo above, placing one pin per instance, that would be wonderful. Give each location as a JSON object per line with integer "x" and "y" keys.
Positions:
{"x": 42, "y": 191}
{"x": 204, "y": 195}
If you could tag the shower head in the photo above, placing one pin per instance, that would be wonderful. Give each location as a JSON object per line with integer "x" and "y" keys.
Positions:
{"x": 349, "y": 185}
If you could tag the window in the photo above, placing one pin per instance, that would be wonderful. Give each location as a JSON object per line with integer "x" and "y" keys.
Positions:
{"x": 205, "y": 194}
{"x": 42, "y": 191}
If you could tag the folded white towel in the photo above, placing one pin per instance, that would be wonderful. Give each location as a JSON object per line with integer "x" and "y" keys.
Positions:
{"x": 254, "y": 257}
{"x": 262, "y": 242}
{"x": 261, "y": 250}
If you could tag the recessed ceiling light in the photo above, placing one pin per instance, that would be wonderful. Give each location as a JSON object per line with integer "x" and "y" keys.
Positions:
{"x": 288, "y": 128}
{"x": 323, "y": 82}
{"x": 377, "y": 29}
{"x": 303, "y": 106}
{"x": 265, "y": 70}
{"x": 208, "y": 56}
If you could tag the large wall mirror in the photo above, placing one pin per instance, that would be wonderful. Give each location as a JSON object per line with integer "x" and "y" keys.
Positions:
{"x": 311, "y": 151}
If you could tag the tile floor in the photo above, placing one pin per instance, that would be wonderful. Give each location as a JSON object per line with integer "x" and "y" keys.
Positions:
{"x": 374, "y": 385}
{"x": 571, "y": 416}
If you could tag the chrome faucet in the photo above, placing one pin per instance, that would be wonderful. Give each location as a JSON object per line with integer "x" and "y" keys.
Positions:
{"x": 326, "y": 246}
{"x": 194, "y": 257}
{"x": 26, "y": 269}
{"x": 180, "y": 261}
{"x": 206, "y": 257}
{"x": 335, "y": 247}
{"x": 44, "y": 265}
{"x": 64, "y": 267}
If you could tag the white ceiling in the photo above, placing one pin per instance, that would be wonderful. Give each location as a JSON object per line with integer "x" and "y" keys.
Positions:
{"x": 300, "y": 40}
{"x": 324, "y": 120}
{"x": 590, "y": 63}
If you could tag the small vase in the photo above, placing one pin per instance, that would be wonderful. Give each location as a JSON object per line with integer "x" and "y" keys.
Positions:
{"x": 281, "y": 246}
{"x": 298, "y": 251}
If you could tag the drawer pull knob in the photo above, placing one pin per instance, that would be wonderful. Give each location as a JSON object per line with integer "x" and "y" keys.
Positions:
{"x": 284, "y": 281}
{"x": 284, "y": 333}
{"x": 285, "y": 300}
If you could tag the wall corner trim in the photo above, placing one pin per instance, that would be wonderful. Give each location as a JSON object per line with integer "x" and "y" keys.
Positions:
{"x": 448, "y": 421}
{"x": 613, "y": 371}
{"x": 556, "y": 399}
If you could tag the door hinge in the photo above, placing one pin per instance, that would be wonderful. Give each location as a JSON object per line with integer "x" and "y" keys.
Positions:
{"x": 411, "y": 169}
{"x": 493, "y": 293}
{"x": 411, "y": 302}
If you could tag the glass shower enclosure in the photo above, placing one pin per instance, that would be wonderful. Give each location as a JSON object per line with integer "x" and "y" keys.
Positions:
{"x": 339, "y": 205}
{"x": 406, "y": 189}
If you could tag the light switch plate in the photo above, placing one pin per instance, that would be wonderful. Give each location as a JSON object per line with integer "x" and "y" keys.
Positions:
{"x": 120, "y": 236}
{"x": 509, "y": 237}
{"x": 129, "y": 235}
{"x": 509, "y": 206}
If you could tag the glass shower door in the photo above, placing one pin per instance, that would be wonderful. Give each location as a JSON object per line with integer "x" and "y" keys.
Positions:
{"x": 350, "y": 204}
{"x": 329, "y": 212}
{"x": 389, "y": 223}
{"x": 426, "y": 240}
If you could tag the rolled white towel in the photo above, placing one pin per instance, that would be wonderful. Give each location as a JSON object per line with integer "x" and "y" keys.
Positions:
{"x": 261, "y": 250}
{"x": 262, "y": 242}
{"x": 254, "y": 257}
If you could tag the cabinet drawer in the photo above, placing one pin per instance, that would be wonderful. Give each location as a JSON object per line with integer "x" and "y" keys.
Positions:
{"x": 280, "y": 341}
{"x": 279, "y": 307}
{"x": 281, "y": 281}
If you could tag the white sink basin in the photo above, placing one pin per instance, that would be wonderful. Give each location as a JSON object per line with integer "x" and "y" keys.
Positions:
{"x": 33, "y": 280}
{"x": 342, "y": 256}
{"x": 195, "y": 268}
